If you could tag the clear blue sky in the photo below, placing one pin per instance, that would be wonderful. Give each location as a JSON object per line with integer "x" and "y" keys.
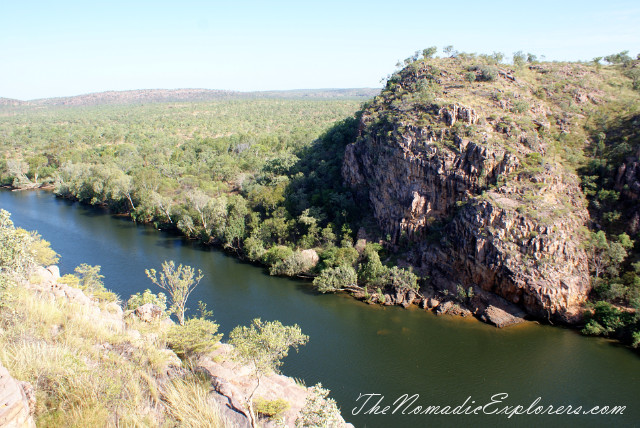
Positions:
{"x": 59, "y": 48}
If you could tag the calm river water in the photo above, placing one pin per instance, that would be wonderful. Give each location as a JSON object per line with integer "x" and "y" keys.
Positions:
{"x": 355, "y": 348}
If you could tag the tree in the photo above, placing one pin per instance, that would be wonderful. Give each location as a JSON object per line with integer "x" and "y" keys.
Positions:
{"x": 429, "y": 52}
{"x": 607, "y": 255}
{"x": 449, "y": 51}
{"x": 90, "y": 278}
{"x": 319, "y": 411}
{"x": 519, "y": 58}
{"x": 400, "y": 278}
{"x": 262, "y": 346}
{"x": 121, "y": 186}
{"x": 178, "y": 282}
{"x": 334, "y": 279}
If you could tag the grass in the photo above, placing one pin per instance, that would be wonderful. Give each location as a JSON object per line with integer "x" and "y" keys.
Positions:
{"x": 89, "y": 369}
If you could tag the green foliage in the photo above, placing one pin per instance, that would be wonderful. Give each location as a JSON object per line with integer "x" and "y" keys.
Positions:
{"x": 336, "y": 278}
{"x": 179, "y": 282}
{"x": 428, "y": 53}
{"x": 90, "y": 281}
{"x": 485, "y": 73}
{"x": 197, "y": 336}
{"x": 138, "y": 299}
{"x": 293, "y": 265}
{"x": 340, "y": 256}
{"x": 263, "y": 345}
{"x": 605, "y": 320}
{"x": 519, "y": 58}
{"x": 319, "y": 411}
{"x": 276, "y": 254}
{"x": 371, "y": 270}
{"x": 400, "y": 278}
{"x": 253, "y": 248}
{"x": 15, "y": 256}
{"x": 618, "y": 58}
{"x": 520, "y": 106}
{"x": 42, "y": 251}
{"x": 273, "y": 409}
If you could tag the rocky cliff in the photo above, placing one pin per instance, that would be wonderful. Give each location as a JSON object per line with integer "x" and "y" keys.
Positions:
{"x": 465, "y": 176}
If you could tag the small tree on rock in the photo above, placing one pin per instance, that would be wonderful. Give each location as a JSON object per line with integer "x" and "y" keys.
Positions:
{"x": 179, "y": 282}
{"x": 262, "y": 346}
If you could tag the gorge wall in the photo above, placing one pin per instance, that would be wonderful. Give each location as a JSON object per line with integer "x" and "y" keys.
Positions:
{"x": 469, "y": 194}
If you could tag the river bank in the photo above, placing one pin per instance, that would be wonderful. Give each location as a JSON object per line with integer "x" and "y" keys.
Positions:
{"x": 354, "y": 347}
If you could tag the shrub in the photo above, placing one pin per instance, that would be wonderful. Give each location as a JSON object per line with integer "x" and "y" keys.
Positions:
{"x": 276, "y": 254}
{"x": 520, "y": 107}
{"x": 147, "y": 296}
{"x": 372, "y": 270}
{"x": 293, "y": 265}
{"x": 42, "y": 251}
{"x": 342, "y": 256}
{"x": 486, "y": 73}
{"x": 604, "y": 320}
{"x": 334, "y": 279}
{"x": 400, "y": 278}
{"x": 319, "y": 410}
{"x": 273, "y": 409}
{"x": 197, "y": 336}
{"x": 253, "y": 248}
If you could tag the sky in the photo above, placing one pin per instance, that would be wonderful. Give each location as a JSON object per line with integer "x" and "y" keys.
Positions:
{"x": 63, "y": 48}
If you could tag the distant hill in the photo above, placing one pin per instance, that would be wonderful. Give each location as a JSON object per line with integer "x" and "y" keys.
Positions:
{"x": 11, "y": 102}
{"x": 142, "y": 96}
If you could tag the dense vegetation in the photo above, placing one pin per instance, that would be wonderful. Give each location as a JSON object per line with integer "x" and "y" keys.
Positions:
{"x": 261, "y": 177}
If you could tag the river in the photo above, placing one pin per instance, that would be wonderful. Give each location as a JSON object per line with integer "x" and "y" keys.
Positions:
{"x": 355, "y": 348}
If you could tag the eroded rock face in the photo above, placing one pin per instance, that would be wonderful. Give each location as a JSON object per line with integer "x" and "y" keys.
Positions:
{"x": 15, "y": 401}
{"x": 452, "y": 198}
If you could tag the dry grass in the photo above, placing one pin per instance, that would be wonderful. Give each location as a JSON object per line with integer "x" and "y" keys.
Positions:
{"x": 190, "y": 405}
{"x": 89, "y": 370}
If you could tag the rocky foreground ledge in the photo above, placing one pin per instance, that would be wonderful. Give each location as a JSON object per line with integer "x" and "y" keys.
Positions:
{"x": 15, "y": 410}
{"x": 230, "y": 382}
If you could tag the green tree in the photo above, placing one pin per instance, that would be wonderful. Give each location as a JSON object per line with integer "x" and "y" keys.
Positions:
{"x": 179, "y": 282}
{"x": 334, "y": 279}
{"x": 90, "y": 278}
{"x": 372, "y": 269}
{"x": 519, "y": 58}
{"x": 429, "y": 52}
{"x": 319, "y": 410}
{"x": 262, "y": 346}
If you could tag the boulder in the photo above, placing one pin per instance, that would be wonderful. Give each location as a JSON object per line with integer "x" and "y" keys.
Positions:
{"x": 15, "y": 410}
{"x": 310, "y": 256}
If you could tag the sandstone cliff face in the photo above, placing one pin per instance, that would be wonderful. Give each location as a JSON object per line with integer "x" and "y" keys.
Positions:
{"x": 477, "y": 200}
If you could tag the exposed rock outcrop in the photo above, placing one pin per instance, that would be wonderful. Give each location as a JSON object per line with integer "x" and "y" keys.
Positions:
{"x": 15, "y": 405}
{"x": 476, "y": 197}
